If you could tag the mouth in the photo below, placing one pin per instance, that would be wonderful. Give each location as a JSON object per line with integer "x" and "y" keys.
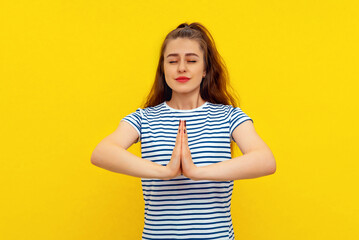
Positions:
{"x": 182, "y": 79}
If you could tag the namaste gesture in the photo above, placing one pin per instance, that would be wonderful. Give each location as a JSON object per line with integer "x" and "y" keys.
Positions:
{"x": 181, "y": 159}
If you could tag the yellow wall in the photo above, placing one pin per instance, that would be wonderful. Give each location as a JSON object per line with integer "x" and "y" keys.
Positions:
{"x": 70, "y": 70}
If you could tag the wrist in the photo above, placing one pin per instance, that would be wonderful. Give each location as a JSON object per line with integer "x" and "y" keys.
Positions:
{"x": 166, "y": 173}
{"x": 196, "y": 173}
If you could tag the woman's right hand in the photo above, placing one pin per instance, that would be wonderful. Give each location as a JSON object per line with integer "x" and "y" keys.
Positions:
{"x": 174, "y": 165}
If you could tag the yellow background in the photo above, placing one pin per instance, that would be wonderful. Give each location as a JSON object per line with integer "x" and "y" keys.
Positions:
{"x": 71, "y": 70}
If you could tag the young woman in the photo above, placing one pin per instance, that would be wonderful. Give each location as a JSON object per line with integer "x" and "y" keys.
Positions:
{"x": 186, "y": 130}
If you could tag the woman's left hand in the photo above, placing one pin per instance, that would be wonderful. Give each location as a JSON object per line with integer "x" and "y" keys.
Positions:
{"x": 189, "y": 169}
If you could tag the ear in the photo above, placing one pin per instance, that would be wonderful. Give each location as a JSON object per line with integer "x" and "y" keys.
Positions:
{"x": 204, "y": 74}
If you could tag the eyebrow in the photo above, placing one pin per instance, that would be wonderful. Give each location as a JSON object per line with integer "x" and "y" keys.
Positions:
{"x": 176, "y": 54}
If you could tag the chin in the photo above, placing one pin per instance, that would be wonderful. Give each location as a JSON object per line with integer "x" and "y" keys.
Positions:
{"x": 185, "y": 90}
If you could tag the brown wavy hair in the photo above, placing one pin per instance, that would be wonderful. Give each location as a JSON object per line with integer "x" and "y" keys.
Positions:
{"x": 215, "y": 86}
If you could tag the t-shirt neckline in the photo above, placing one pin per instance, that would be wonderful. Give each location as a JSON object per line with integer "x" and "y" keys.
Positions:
{"x": 185, "y": 110}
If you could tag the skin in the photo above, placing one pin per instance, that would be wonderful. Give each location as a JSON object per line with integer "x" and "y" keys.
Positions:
{"x": 183, "y": 57}
{"x": 257, "y": 159}
{"x": 181, "y": 161}
{"x": 184, "y": 95}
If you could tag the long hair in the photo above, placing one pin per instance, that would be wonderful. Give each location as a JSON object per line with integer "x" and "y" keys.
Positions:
{"x": 215, "y": 86}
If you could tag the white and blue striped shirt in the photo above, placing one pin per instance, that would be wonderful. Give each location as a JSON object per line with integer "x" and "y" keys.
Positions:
{"x": 182, "y": 208}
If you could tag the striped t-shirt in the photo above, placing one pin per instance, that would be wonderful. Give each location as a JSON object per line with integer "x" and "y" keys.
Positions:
{"x": 182, "y": 208}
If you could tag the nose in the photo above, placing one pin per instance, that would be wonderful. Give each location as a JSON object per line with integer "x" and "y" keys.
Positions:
{"x": 182, "y": 66}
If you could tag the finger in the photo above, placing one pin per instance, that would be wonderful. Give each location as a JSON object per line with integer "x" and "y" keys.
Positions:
{"x": 184, "y": 146}
{"x": 182, "y": 125}
{"x": 178, "y": 136}
{"x": 185, "y": 134}
{"x": 182, "y": 129}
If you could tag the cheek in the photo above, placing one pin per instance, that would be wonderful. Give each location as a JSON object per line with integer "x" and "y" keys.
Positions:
{"x": 168, "y": 68}
{"x": 165, "y": 69}
{"x": 200, "y": 70}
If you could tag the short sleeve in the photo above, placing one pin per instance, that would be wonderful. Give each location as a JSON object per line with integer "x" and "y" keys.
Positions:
{"x": 135, "y": 119}
{"x": 236, "y": 117}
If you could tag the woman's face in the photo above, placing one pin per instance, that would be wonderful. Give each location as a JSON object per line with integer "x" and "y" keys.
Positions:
{"x": 183, "y": 57}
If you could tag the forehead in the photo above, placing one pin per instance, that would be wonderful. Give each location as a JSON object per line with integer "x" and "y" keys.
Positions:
{"x": 182, "y": 46}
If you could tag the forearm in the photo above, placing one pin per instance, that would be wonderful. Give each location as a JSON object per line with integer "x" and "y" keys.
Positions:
{"x": 251, "y": 165}
{"x": 119, "y": 160}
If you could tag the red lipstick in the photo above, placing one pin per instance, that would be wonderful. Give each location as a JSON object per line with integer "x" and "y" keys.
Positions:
{"x": 182, "y": 79}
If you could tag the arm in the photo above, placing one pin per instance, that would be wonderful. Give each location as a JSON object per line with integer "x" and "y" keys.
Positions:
{"x": 257, "y": 159}
{"x": 111, "y": 154}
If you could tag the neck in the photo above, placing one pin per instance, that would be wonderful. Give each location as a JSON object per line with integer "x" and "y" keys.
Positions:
{"x": 185, "y": 102}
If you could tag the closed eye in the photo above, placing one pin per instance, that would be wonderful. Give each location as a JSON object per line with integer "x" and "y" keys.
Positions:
{"x": 176, "y": 61}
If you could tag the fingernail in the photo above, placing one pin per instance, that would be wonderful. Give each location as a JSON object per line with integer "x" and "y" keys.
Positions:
{"x": 185, "y": 123}
{"x": 179, "y": 130}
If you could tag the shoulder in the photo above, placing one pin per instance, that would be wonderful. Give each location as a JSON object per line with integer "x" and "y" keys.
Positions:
{"x": 223, "y": 109}
{"x": 153, "y": 109}
{"x": 149, "y": 109}
{"x": 218, "y": 107}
